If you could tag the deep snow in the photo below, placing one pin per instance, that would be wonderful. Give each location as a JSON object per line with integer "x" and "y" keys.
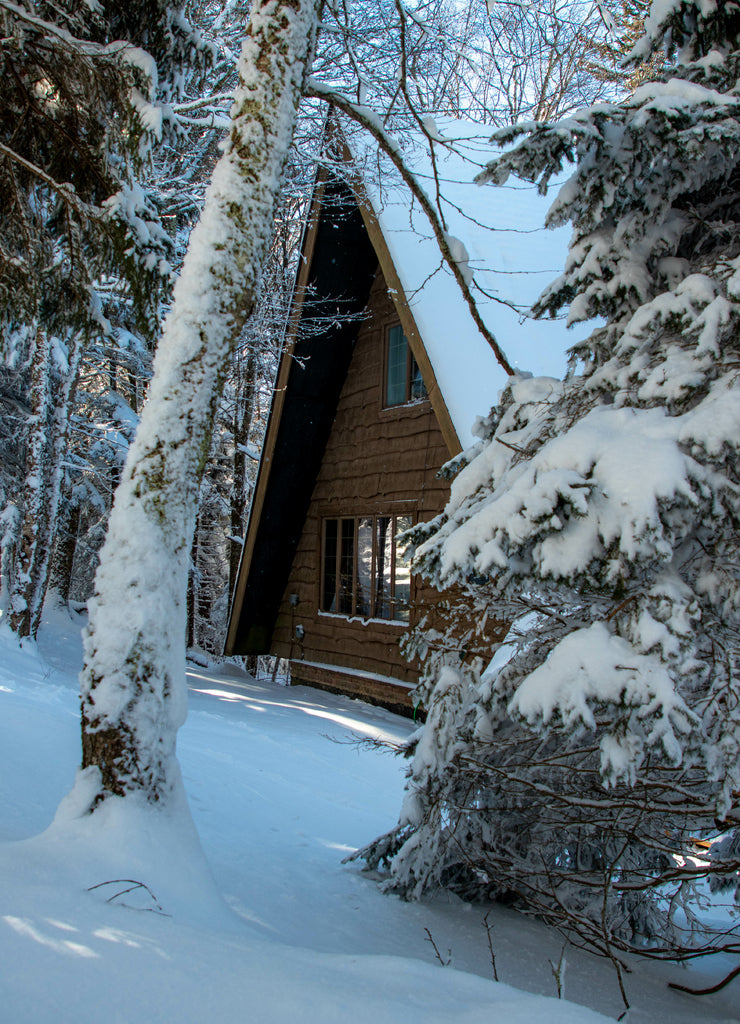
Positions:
{"x": 272, "y": 928}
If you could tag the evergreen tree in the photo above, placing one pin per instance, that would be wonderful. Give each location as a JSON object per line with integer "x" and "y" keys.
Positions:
{"x": 574, "y": 767}
{"x": 608, "y": 54}
{"x": 84, "y": 255}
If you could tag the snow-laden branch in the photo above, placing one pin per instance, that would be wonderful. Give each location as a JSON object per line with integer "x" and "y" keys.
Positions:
{"x": 48, "y": 28}
{"x": 65, "y": 191}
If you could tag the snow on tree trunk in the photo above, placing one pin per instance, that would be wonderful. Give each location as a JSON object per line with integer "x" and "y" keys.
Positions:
{"x": 55, "y": 369}
{"x": 21, "y": 583}
{"x": 133, "y": 681}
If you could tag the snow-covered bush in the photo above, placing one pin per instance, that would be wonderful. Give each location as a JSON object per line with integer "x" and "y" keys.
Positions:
{"x": 574, "y": 766}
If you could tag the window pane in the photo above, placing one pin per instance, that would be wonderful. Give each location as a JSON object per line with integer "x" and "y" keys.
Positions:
{"x": 329, "y": 580}
{"x": 402, "y": 588}
{"x": 395, "y": 391}
{"x": 417, "y": 390}
{"x": 364, "y": 571}
{"x": 383, "y": 567}
{"x": 364, "y": 581}
{"x": 346, "y": 566}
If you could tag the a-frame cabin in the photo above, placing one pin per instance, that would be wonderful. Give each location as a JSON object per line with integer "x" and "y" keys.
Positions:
{"x": 377, "y": 388}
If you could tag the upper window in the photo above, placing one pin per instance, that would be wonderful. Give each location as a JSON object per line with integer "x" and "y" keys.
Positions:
{"x": 403, "y": 380}
{"x": 364, "y": 569}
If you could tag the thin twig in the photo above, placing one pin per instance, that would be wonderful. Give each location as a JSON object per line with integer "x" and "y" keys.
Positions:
{"x": 707, "y": 991}
{"x": 365, "y": 116}
{"x": 444, "y": 963}
{"x": 489, "y": 929}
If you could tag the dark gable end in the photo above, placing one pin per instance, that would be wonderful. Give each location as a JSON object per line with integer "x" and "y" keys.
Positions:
{"x": 340, "y": 264}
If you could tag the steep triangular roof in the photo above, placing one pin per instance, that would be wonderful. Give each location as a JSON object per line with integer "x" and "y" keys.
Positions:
{"x": 351, "y": 231}
{"x": 509, "y": 254}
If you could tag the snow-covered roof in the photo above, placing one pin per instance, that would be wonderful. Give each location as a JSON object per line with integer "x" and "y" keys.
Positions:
{"x": 510, "y": 254}
{"x": 498, "y": 230}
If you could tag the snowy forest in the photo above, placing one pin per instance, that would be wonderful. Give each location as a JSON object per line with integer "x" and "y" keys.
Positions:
{"x": 570, "y": 795}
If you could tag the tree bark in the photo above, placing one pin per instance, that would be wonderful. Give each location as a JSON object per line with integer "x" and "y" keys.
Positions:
{"x": 64, "y": 556}
{"x": 44, "y": 476}
{"x": 133, "y": 683}
{"x": 243, "y": 414}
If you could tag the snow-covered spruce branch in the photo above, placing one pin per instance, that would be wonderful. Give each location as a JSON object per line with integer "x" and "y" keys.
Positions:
{"x": 60, "y": 35}
{"x": 369, "y": 120}
{"x": 65, "y": 191}
{"x": 684, "y": 799}
{"x": 574, "y": 766}
{"x": 133, "y": 681}
{"x": 596, "y": 935}
{"x": 83, "y": 48}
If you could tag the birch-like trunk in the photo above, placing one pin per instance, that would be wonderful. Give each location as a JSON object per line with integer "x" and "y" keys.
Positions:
{"x": 243, "y": 415}
{"x": 42, "y": 492}
{"x": 21, "y": 583}
{"x": 133, "y": 682}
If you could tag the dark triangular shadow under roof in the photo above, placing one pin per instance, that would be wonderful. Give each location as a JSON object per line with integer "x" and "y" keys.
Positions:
{"x": 333, "y": 290}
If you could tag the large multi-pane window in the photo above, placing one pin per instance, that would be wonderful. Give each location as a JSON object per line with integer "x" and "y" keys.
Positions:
{"x": 403, "y": 380}
{"x": 364, "y": 569}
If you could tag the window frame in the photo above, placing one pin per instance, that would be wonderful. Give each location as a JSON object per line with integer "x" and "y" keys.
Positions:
{"x": 411, "y": 376}
{"x": 337, "y": 604}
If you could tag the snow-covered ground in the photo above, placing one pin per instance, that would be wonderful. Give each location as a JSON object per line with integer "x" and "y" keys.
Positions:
{"x": 269, "y": 926}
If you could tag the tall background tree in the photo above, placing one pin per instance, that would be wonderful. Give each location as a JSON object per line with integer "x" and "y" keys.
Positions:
{"x": 85, "y": 259}
{"x": 573, "y": 768}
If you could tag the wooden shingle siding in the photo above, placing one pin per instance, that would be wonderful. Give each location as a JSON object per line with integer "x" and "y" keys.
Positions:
{"x": 373, "y": 689}
{"x": 377, "y": 461}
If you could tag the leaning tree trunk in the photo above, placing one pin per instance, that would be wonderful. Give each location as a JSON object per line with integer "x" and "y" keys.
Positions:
{"x": 133, "y": 682}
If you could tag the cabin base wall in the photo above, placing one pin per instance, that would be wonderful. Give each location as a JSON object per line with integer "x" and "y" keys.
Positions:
{"x": 382, "y": 691}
